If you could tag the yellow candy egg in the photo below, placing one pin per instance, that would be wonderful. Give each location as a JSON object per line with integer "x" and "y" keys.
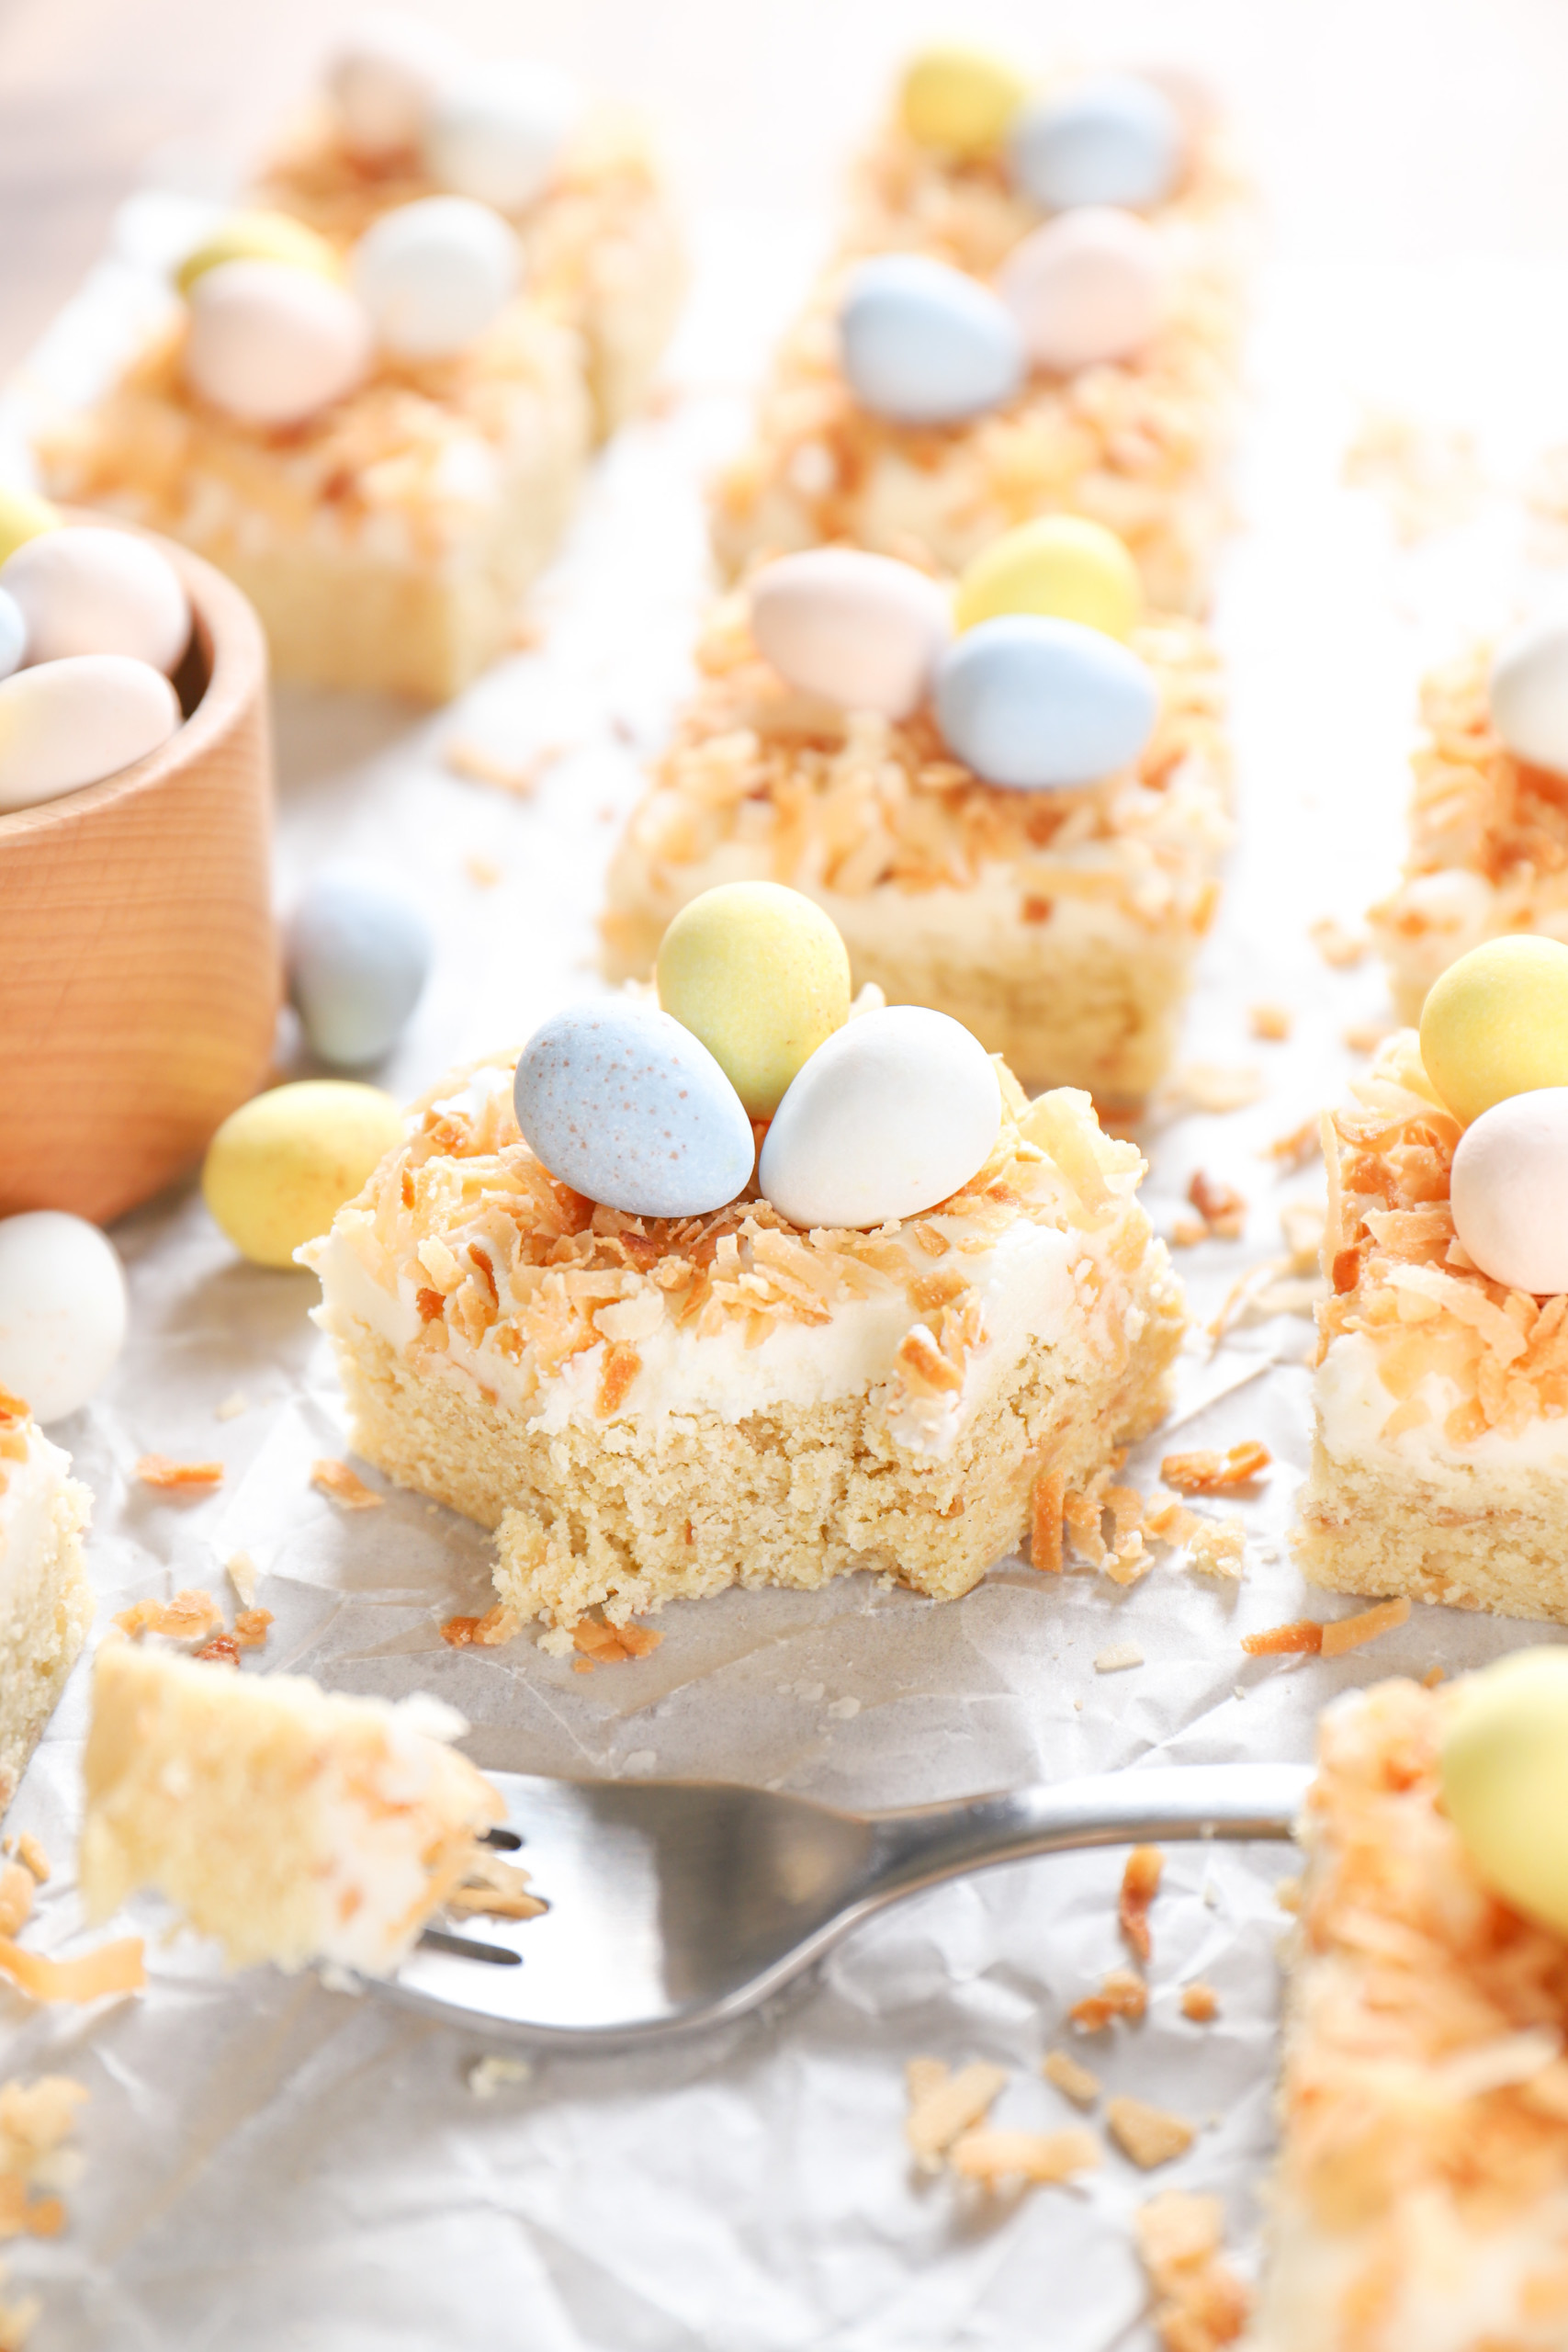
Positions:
{"x": 282, "y": 1165}
{"x": 960, "y": 100}
{"x": 1495, "y": 1025}
{"x": 25, "y": 516}
{"x": 1504, "y": 1771}
{"x": 760, "y": 975}
{"x": 1061, "y": 565}
{"x": 259, "y": 236}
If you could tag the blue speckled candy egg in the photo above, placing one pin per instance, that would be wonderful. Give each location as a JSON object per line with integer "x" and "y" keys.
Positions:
{"x": 627, "y": 1107}
{"x": 359, "y": 950}
{"x": 13, "y": 635}
{"x": 1039, "y": 704}
{"x": 1113, "y": 140}
{"x": 895, "y": 1111}
{"x": 923, "y": 344}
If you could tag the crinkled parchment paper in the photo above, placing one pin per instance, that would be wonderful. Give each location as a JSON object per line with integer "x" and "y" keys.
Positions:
{"x": 271, "y": 2164}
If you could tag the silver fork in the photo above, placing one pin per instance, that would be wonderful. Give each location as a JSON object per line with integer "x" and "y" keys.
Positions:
{"x": 681, "y": 1903}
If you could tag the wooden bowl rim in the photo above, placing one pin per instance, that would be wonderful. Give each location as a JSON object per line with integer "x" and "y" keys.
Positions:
{"x": 237, "y": 676}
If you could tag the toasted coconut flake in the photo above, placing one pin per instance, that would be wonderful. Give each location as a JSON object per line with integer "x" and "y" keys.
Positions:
{"x": 1043, "y": 2158}
{"x": 89, "y": 1976}
{"x": 1295, "y": 1150}
{"x": 221, "y": 1650}
{"x": 1349, "y": 1633}
{"x": 1118, "y": 1659}
{"x": 35, "y": 2120}
{"x": 345, "y": 1485}
{"x": 1222, "y": 1210}
{"x": 1213, "y": 1086}
{"x": 1149, "y": 2135}
{"x": 1046, "y": 1546}
{"x": 604, "y": 1644}
{"x": 191, "y": 1616}
{"x": 943, "y": 2104}
{"x": 1271, "y": 1022}
{"x": 1140, "y": 1884}
{"x": 486, "y": 1633}
{"x": 1200, "y": 2304}
{"x": 1336, "y": 945}
{"x": 1199, "y": 2002}
{"x": 1217, "y": 1549}
{"x": 1428, "y": 477}
{"x": 1211, "y": 1474}
{"x": 1302, "y": 1638}
{"x": 17, "y": 1886}
{"x": 520, "y": 777}
{"x": 249, "y": 1628}
{"x": 28, "y": 1852}
{"x": 495, "y": 1889}
{"x": 158, "y": 1470}
{"x": 1122, "y": 1994}
{"x": 1074, "y": 2082}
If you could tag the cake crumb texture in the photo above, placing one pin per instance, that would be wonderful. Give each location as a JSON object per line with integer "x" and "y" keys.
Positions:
{"x": 46, "y": 1600}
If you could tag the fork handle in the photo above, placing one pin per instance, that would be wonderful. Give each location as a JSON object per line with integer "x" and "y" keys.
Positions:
{"x": 918, "y": 1847}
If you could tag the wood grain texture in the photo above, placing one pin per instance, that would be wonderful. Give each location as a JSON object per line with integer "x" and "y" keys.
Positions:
{"x": 139, "y": 963}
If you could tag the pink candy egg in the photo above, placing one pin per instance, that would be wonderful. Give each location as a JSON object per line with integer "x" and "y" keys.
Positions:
{"x": 272, "y": 345}
{"x": 861, "y": 630}
{"x": 1089, "y": 286}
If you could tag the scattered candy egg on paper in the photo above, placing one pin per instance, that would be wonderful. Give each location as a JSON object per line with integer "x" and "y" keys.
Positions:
{"x": 259, "y": 236}
{"x": 282, "y": 1165}
{"x": 86, "y": 590}
{"x": 922, "y": 343}
{"x": 1495, "y": 1024}
{"x": 13, "y": 635}
{"x": 272, "y": 345}
{"x": 630, "y": 1109}
{"x": 1505, "y": 1776}
{"x": 62, "y": 1310}
{"x": 1508, "y": 1190}
{"x": 359, "y": 950}
{"x": 1115, "y": 139}
{"x": 1042, "y": 705}
{"x": 381, "y": 81}
{"x": 759, "y": 973}
{"x": 496, "y": 132}
{"x": 959, "y": 99}
{"x": 861, "y": 630}
{"x": 1086, "y": 288}
{"x": 893, "y": 1113}
{"x": 76, "y": 721}
{"x": 24, "y": 515}
{"x": 434, "y": 274}
{"x": 1528, "y": 691}
{"x": 1062, "y": 566}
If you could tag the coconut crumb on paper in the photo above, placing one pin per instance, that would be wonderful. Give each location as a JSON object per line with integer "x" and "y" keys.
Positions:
{"x": 344, "y": 1484}
{"x": 1221, "y": 1207}
{"x": 1302, "y": 1638}
{"x": 482, "y": 872}
{"x": 1045, "y": 2159}
{"x": 1339, "y": 947}
{"x": 87, "y": 1976}
{"x": 1211, "y": 1473}
{"x": 489, "y": 2076}
{"x": 1079, "y": 2084}
{"x": 1140, "y": 1884}
{"x": 1218, "y": 1550}
{"x": 520, "y": 777}
{"x": 1212, "y": 1086}
{"x": 612, "y": 1644}
{"x": 231, "y": 1406}
{"x": 241, "y": 1571}
{"x": 490, "y": 1631}
{"x": 35, "y": 2120}
{"x": 30, "y": 1853}
{"x": 1122, "y": 1994}
{"x": 1200, "y": 2304}
{"x": 943, "y": 2104}
{"x": 1301, "y": 1144}
{"x": 17, "y": 1888}
{"x": 1199, "y": 2002}
{"x": 170, "y": 1476}
{"x": 1366, "y": 1036}
{"x": 1272, "y": 1024}
{"x": 1118, "y": 1659}
{"x": 191, "y": 1616}
{"x": 1306, "y": 1637}
{"x": 1426, "y": 475}
{"x": 1149, "y": 2135}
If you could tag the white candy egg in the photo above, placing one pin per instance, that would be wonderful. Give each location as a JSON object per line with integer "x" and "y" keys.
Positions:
{"x": 92, "y": 591}
{"x": 73, "y": 723}
{"x": 381, "y": 81}
{"x": 1529, "y": 693}
{"x": 433, "y": 275}
{"x": 62, "y": 1310}
{"x": 1509, "y": 1190}
{"x": 893, "y": 1112}
{"x": 270, "y": 345}
{"x": 495, "y": 132}
{"x": 1086, "y": 288}
{"x": 13, "y": 635}
{"x": 861, "y": 630}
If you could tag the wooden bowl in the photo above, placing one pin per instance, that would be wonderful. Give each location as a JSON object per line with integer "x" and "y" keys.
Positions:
{"x": 139, "y": 963}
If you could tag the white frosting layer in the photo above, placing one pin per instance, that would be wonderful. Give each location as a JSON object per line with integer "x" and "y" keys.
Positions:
{"x": 375, "y": 1890}
{"x": 1353, "y": 1406}
{"x": 32, "y": 1489}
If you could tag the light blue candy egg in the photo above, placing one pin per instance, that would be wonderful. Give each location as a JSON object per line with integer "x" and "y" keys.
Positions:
{"x": 359, "y": 950}
{"x": 1114, "y": 139}
{"x": 13, "y": 634}
{"x": 1040, "y": 705}
{"x": 624, "y": 1105}
{"x": 924, "y": 344}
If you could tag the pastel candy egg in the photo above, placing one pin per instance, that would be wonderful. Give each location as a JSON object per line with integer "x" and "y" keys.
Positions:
{"x": 1087, "y": 288}
{"x": 496, "y": 132}
{"x": 91, "y": 591}
{"x": 1040, "y": 705}
{"x": 13, "y": 635}
{"x": 959, "y": 99}
{"x": 1509, "y": 1191}
{"x": 628, "y": 1108}
{"x": 1495, "y": 1024}
{"x": 894, "y": 1112}
{"x": 922, "y": 343}
{"x": 381, "y": 82}
{"x": 359, "y": 952}
{"x": 760, "y": 975}
{"x": 1114, "y": 139}
{"x": 434, "y": 274}
{"x": 282, "y": 1165}
{"x": 270, "y": 345}
{"x": 1062, "y": 566}
{"x": 259, "y": 236}
{"x": 1504, "y": 1778}
{"x": 62, "y": 1310}
{"x": 1528, "y": 694}
{"x": 74, "y": 722}
{"x": 861, "y": 630}
{"x": 23, "y": 515}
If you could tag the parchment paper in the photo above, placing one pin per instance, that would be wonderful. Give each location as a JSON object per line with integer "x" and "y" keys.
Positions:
{"x": 272, "y": 2165}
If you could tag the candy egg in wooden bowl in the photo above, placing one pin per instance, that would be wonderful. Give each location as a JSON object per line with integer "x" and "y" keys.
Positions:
{"x": 139, "y": 961}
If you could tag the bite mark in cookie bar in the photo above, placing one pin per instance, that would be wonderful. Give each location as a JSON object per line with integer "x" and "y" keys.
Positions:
{"x": 646, "y": 1409}
{"x": 1060, "y": 927}
{"x": 46, "y": 1602}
